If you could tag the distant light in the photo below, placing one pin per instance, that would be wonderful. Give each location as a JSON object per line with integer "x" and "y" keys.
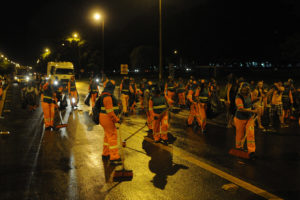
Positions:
{"x": 97, "y": 80}
{"x": 55, "y": 82}
{"x": 97, "y": 16}
{"x": 63, "y": 44}
{"x": 136, "y": 70}
{"x": 47, "y": 50}
{"x": 175, "y": 52}
{"x": 27, "y": 78}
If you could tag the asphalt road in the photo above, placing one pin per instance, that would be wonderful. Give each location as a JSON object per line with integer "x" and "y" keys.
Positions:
{"x": 67, "y": 164}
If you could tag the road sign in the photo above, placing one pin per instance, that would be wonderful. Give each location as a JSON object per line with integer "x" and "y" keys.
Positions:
{"x": 124, "y": 69}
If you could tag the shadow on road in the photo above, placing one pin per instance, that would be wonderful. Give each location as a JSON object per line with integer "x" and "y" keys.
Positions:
{"x": 161, "y": 164}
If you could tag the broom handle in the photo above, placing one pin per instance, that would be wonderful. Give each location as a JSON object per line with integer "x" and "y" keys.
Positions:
{"x": 122, "y": 150}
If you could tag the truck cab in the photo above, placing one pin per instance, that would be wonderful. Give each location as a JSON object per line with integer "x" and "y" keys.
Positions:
{"x": 60, "y": 71}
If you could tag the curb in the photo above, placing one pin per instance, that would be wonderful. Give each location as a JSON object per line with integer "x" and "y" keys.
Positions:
{"x": 3, "y": 100}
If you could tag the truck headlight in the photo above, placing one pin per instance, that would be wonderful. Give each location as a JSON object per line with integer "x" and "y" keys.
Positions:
{"x": 27, "y": 78}
{"x": 55, "y": 82}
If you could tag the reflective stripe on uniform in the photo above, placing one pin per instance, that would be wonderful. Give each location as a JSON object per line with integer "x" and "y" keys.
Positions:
{"x": 105, "y": 144}
{"x": 159, "y": 107}
{"x": 113, "y": 147}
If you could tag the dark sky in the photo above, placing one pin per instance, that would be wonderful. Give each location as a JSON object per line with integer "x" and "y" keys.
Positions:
{"x": 203, "y": 29}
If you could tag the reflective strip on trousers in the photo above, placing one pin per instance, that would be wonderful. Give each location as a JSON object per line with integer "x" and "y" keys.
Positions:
{"x": 113, "y": 147}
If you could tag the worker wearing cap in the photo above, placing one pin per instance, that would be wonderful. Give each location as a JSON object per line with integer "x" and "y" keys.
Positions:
{"x": 72, "y": 91}
{"x": 125, "y": 91}
{"x": 142, "y": 88}
{"x": 147, "y": 96}
{"x": 244, "y": 122}
{"x": 48, "y": 104}
{"x": 158, "y": 109}
{"x": 181, "y": 93}
{"x": 193, "y": 93}
{"x": 170, "y": 88}
{"x": 287, "y": 100}
{"x": 132, "y": 95}
{"x": 204, "y": 94}
{"x": 109, "y": 110}
{"x": 94, "y": 90}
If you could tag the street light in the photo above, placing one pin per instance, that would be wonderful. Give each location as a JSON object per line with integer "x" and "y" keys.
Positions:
{"x": 160, "y": 42}
{"x": 97, "y": 17}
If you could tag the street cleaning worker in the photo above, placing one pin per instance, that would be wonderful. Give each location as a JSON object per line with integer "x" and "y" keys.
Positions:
{"x": 193, "y": 93}
{"x": 48, "y": 104}
{"x": 132, "y": 95}
{"x": 147, "y": 96}
{"x": 125, "y": 91}
{"x": 244, "y": 122}
{"x": 170, "y": 88}
{"x": 31, "y": 94}
{"x": 142, "y": 88}
{"x": 259, "y": 95}
{"x": 72, "y": 92}
{"x": 287, "y": 100}
{"x": 158, "y": 108}
{"x": 108, "y": 118}
{"x": 203, "y": 97}
{"x": 94, "y": 90}
{"x": 181, "y": 93}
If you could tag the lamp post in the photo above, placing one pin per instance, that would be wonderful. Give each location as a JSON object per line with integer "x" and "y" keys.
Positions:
{"x": 97, "y": 18}
{"x": 160, "y": 42}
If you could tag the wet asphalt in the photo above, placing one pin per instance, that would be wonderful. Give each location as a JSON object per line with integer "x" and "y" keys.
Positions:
{"x": 67, "y": 164}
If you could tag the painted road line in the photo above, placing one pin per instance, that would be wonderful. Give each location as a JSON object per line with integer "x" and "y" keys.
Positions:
{"x": 3, "y": 100}
{"x": 4, "y": 132}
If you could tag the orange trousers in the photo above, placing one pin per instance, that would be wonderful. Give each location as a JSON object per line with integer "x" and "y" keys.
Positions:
{"x": 242, "y": 127}
{"x": 93, "y": 99}
{"x": 48, "y": 109}
{"x": 110, "y": 143}
{"x": 160, "y": 127}
{"x": 142, "y": 102}
{"x": 170, "y": 96}
{"x": 125, "y": 99}
{"x": 194, "y": 113}
{"x": 202, "y": 112}
{"x": 181, "y": 98}
{"x": 73, "y": 94}
{"x": 149, "y": 120}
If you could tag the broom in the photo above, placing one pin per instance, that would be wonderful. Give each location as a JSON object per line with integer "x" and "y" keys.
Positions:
{"x": 61, "y": 125}
{"x": 122, "y": 174}
{"x": 239, "y": 152}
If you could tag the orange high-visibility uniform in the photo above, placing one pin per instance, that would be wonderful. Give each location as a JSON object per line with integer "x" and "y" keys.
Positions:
{"x": 157, "y": 105}
{"x": 48, "y": 105}
{"x": 107, "y": 119}
{"x": 146, "y": 107}
{"x": 181, "y": 94}
{"x": 72, "y": 91}
{"x": 170, "y": 92}
{"x": 194, "y": 107}
{"x": 203, "y": 96}
{"x": 244, "y": 123}
{"x": 125, "y": 90}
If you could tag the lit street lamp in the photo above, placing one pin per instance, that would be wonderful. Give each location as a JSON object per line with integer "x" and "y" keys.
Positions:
{"x": 97, "y": 17}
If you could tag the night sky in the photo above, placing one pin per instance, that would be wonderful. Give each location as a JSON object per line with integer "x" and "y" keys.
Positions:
{"x": 203, "y": 30}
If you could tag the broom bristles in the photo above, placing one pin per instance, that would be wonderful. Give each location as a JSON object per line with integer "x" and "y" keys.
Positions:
{"x": 123, "y": 175}
{"x": 239, "y": 153}
{"x": 61, "y": 125}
